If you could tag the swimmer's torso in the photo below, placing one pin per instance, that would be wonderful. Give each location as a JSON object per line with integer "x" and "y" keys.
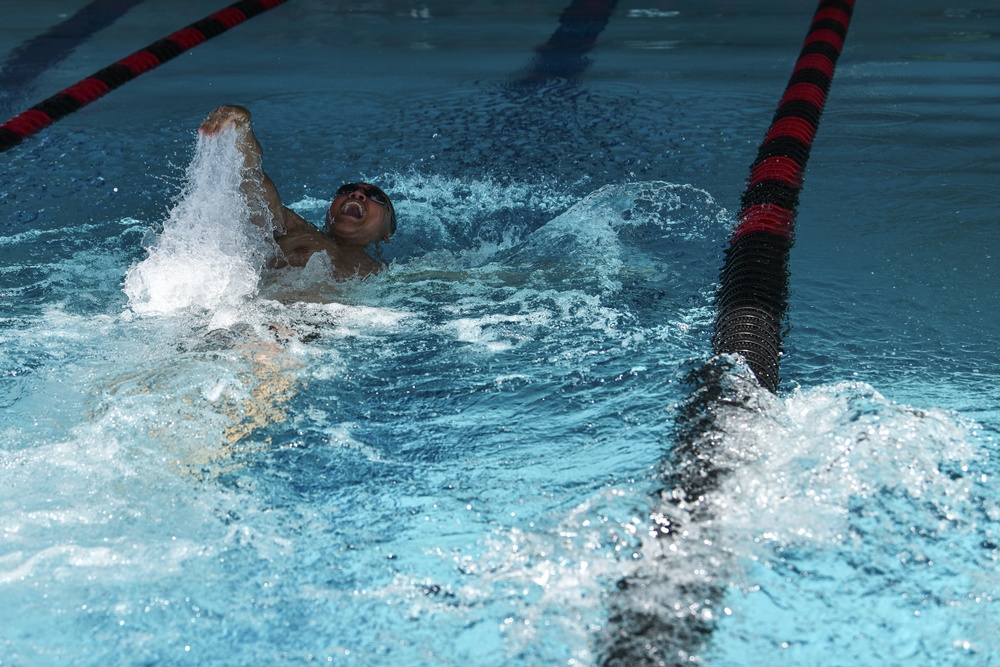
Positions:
{"x": 302, "y": 240}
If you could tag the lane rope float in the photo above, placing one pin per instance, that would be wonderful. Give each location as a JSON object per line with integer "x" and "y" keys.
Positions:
{"x": 97, "y": 85}
{"x": 753, "y": 292}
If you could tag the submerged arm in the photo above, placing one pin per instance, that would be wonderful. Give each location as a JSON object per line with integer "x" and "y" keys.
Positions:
{"x": 257, "y": 185}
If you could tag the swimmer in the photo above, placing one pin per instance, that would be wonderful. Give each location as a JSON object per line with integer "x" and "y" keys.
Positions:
{"x": 359, "y": 216}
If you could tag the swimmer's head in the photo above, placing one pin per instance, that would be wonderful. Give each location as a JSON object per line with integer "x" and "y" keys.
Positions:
{"x": 360, "y": 214}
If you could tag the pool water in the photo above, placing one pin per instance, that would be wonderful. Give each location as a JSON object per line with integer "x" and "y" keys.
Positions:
{"x": 459, "y": 461}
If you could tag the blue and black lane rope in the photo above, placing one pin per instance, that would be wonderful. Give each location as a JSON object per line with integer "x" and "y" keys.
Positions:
{"x": 102, "y": 82}
{"x": 753, "y": 293}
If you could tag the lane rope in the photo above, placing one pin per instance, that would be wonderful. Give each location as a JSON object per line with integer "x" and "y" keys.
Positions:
{"x": 97, "y": 85}
{"x": 753, "y": 293}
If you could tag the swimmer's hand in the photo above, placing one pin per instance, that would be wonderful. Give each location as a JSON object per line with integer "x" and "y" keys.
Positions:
{"x": 257, "y": 185}
{"x": 225, "y": 117}
{"x": 230, "y": 116}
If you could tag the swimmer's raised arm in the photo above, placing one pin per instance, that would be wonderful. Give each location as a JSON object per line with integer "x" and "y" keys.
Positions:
{"x": 256, "y": 183}
{"x": 359, "y": 216}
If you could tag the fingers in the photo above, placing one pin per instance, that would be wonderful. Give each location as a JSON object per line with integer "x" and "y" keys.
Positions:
{"x": 223, "y": 118}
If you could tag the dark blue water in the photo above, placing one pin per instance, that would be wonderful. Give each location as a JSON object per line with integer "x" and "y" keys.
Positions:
{"x": 206, "y": 462}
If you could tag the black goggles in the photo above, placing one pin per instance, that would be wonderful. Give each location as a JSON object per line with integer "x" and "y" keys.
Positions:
{"x": 373, "y": 193}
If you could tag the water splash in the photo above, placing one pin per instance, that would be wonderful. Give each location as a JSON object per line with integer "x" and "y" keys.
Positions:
{"x": 209, "y": 255}
{"x": 816, "y": 503}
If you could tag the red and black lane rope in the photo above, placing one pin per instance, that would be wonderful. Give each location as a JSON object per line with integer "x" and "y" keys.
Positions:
{"x": 99, "y": 84}
{"x": 753, "y": 292}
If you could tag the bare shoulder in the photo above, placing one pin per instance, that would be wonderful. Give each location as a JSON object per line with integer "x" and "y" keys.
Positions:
{"x": 295, "y": 222}
{"x": 301, "y": 240}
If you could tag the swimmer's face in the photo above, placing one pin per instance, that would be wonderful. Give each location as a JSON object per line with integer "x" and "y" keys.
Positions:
{"x": 360, "y": 214}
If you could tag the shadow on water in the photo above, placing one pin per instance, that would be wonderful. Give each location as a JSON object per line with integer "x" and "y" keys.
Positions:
{"x": 564, "y": 55}
{"x": 35, "y": 56}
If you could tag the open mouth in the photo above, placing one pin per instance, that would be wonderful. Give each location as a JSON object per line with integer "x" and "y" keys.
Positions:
{"x": 353, "y": 208}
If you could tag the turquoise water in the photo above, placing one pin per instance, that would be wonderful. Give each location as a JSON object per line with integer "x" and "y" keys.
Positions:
{"x": 456, "y": 462}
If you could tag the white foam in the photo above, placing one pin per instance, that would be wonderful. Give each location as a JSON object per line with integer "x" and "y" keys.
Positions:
{"x": 830, "y": 446}
{"x": 819, "y": 484}
{"x": 209, "y": 254}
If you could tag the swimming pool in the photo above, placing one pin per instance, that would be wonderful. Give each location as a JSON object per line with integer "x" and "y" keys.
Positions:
{"x": 456, "y": 462}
